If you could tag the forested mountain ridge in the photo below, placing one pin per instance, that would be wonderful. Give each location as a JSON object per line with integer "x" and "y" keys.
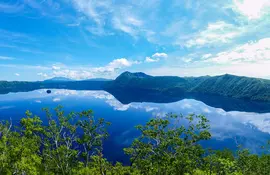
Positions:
{"x": 232, "y": 86}
{"x": 23, "y": 86}
{"x": 224, "y": 85}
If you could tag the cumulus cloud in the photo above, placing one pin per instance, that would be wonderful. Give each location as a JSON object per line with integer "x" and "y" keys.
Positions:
{"x": 115, "y": 65}
{"x": 250, "y": 52}
{"x": 150, "y": 60}
{"x": 86, "y": 73}
{"x": 160, "y": 55}
{"x": 251, "y": 9}
{"x": 156, "y": 57}
{"x": 17, "y": 74}
{"x": 56, "y": 67}
{"x": 119, "y": 63}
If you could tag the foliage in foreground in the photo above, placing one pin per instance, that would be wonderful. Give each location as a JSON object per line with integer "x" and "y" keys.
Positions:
{"x": 72, "y": 144}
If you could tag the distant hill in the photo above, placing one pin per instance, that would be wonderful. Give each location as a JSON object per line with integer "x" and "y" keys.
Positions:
{"x": 55, "y": 79}
{"x": 97, "y": 79}
{"x": 224, "y": 85}
{"x": 59, "y": 79}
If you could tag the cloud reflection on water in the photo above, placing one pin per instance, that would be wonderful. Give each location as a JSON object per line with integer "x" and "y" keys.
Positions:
{"x": 223, "y": 124}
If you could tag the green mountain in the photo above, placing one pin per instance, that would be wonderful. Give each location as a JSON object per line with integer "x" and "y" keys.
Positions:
{"x": 225, "y": 85}
{"x": 17, "y": 86}
{"x": 140, "y": 85}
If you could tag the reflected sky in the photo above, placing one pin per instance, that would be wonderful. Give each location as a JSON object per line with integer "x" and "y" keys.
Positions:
{"x": 228, "y": 129}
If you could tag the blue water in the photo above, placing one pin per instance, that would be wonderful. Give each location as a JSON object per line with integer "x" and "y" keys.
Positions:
{"x": 251, "y": 130}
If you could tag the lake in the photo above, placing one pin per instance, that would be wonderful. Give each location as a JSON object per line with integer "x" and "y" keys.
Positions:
{"x": 230, "y": 126}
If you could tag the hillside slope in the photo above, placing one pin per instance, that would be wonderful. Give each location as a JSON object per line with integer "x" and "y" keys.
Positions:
{"x": 224, "y": 85}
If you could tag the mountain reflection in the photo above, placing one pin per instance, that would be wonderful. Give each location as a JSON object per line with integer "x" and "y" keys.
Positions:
{"x": 219, "y": 117}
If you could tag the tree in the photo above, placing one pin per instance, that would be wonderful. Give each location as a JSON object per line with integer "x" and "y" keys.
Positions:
{"x": 165, "y": 147}
{"x": 19, "y": 149}
{"x": 94, "y": 132}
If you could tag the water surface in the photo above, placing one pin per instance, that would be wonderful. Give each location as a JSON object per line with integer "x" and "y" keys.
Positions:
{"x": 228, "y": 128}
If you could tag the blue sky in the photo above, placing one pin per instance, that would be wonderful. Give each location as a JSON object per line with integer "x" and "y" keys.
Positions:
{"x": 83, "y": 39}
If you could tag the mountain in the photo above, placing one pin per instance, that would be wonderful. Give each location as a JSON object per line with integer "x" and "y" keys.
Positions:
{"x": 144, "y": 81}
{"x": 59, "y": 79}
{"x": 224, "y": 85}
{"x": 139, "y": 85}
{"x": 68, "y": 79}
{"x": 97, "y": 79}
{"x": 21, "y": 86}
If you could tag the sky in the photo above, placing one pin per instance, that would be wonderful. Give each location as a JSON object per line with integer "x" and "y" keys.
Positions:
{"x": 84, "y": 39}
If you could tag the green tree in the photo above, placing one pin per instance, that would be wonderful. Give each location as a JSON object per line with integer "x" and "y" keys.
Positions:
{"x": 166, "y": 147}
{"x": 94, "y": 132}
{"x": 20, "y": 150}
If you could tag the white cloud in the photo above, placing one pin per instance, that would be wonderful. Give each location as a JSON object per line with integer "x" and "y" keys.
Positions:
{"x": 119, "y": 16}
{"x": 119, "y": 63}
{"x": 6, "y": 58}
{"x": 156, "y": 57}
{"x": 56, "y": 67}
{"x": 127, "y": 17}
{"x": 85, "y": 73}
{"x": 95, "y": 10}
{"x": 256, "y": 52}
{"x": 205, "y": 56}
{"x": 258, "y": 70}
{"x": 44, "y": 75}
{"x": 116, "y": 64}
{"x": 215, "y": 33}
{"x": 99, "y": 31}
{"x": 17, "y": 74}
{"x": 160, "y": 55}
{"x": 151, "y": 60}
{"x": 187, "y": 59}
{"x": 127, "y": 23}
{"x": 73, "y": 74}
{"x": 252, "y": 9}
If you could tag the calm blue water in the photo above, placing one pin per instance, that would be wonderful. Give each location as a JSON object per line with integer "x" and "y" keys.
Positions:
{"x": 228, "y": 129}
